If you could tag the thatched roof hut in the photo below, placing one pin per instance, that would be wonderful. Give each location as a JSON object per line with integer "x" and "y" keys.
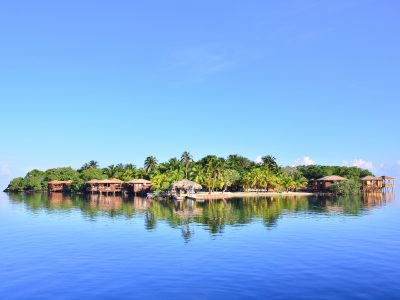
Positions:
{"x": 139, "y": 186}
{"x": 105, "y": 185}
{"x": 93, "y": 181}
{"x": 57, "y": 182}
{"x": 186, "y": 185}
{"x": 111, "y": 181}
{"x": 332, "y": 178}
{"x": 59, "y": 185}
{"x": 139, "y": 181}
{"x": 371, "y": 178}
{"x": 105, "y": 181}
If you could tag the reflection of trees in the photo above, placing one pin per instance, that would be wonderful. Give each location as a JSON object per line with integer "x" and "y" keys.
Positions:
{"x": 90, "y": 205}
{"x": 214, "y": 214}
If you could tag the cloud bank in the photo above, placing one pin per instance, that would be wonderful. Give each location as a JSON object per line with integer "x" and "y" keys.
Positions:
{"x": 304, "y": 161}
{"x": 363, "y": 164}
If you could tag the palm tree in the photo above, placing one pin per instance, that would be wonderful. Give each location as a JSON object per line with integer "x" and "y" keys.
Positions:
{"x": 186, "y": 159}
{"x": 93, "y": 164}
{"x": 173, "y": 164}
{"x": 196, "y": 173}
{"x": 110, "y": 171}
{"x": 130, "y": 167}
{"x": 89, "y": 165}
{"x": 270, "y": 163}
{"x": 150, "y": 164}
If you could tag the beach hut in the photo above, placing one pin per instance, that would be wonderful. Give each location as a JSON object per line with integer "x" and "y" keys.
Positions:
{"x": 388, "y": 182}
{"x": 138, "y": 186}
{"x": 186, "y": 186}
{"x": 61, "y": 186}
{"x": 323, "y": 184}
{"x": 104, "y": 186}
{"x": 371, "y": 183}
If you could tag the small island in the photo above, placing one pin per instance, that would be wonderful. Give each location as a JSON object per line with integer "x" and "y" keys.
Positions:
{"x": 211, "y": 177}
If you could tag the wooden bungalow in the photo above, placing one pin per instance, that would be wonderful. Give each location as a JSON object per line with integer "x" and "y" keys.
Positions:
{"x": 104, "y": 186}
{"x": 371, "y": 183}
{"x": 138, "y": 186}
{"x": 388, "y": 182}
{"x": 323, "y": 184}
{"x": 59, "y": 186}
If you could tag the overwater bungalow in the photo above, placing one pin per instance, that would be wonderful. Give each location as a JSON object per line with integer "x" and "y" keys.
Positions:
{"x": 138, "y": 186}
{"x": 371, "y": 183}
{"x": 323, "y": 184}
{"x": 184, "y": 188}
{"x": 59, "y": 186}
{"x": 104, "y": 186}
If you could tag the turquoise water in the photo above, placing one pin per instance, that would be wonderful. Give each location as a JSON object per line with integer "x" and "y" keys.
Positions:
{"x": 277, "y": 248}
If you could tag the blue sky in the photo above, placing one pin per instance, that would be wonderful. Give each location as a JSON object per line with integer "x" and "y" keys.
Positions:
{"x": 115, "y": 81}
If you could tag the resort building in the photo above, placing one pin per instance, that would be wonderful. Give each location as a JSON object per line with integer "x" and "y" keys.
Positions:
{"x": 371, "y": 183}
{"x": 59, "y": 186}
{"x": 104, "y": 186}
{"x": 138, "y": 186}
{"x": 323, "y": 184}
{"x": 184, "y": 188}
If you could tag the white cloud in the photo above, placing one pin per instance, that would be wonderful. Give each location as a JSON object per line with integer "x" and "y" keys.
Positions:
{"x": 360, "y": 163}
{"x": 5, "y": 171}
{"x": 305, "y": 161}
{"x": 259, "y": 159}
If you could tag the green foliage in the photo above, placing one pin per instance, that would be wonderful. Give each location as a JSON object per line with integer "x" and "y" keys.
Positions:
{"x": 89, "y": 174}
{"x": 317, "y": 171}
{"x": 150, "y": 164}
{"x": 90, "y": 165}
{"x": 269, "y": 162}
{"x": 212, "y": 172}
{"x": 17, "y": 185}
{"x": 347, "y": 187}
{"x": 260, "y": 178}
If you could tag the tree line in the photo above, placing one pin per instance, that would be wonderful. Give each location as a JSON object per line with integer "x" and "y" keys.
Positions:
{"x": 233, "y": 173}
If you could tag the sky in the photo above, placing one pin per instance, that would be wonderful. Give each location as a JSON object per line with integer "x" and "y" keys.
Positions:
{"x": 116, "y": 81}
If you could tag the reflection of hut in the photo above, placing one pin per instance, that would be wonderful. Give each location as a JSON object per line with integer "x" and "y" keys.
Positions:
{"x": 186, "y": 186}
{"x": 139, "y": 186}
{"x": 104, "y": 186}
{"x": 105, "y": 203}
{"x": 59, "y": 186}
{"x": 323, "y": 184}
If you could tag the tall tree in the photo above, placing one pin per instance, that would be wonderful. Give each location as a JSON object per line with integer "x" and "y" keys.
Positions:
{"x": 186, "y": 159}
{"x": 89, "y": 165}
{"x": 150, "y": 164}
{"x": 270, "y": 163}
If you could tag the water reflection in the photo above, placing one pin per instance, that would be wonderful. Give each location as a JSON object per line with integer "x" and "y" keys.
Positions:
{"x": 214, "y": 215}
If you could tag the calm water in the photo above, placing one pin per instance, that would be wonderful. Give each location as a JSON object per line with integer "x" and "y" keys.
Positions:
{"x": 112, "y": 248}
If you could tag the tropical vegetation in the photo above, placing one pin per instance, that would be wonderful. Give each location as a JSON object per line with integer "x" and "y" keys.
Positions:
{"x": 233, "y": 173}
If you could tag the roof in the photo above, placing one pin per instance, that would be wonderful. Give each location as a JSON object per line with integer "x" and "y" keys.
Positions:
{"x": 140, "y": 181}
{"x": 93, "y": 181}
{"x": 387, "y": 178}
{"x": 114, "y": 180}
{"x": 60, "y": 182}
{"x": 332, "y": 178}
{"x": 105, "y": 181}
{"x": 371, "y": 178}
{"x": 186, "y": 185}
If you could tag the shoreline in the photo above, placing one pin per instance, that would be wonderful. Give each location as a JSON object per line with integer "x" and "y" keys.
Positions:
{"x": 228, "y": 195}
